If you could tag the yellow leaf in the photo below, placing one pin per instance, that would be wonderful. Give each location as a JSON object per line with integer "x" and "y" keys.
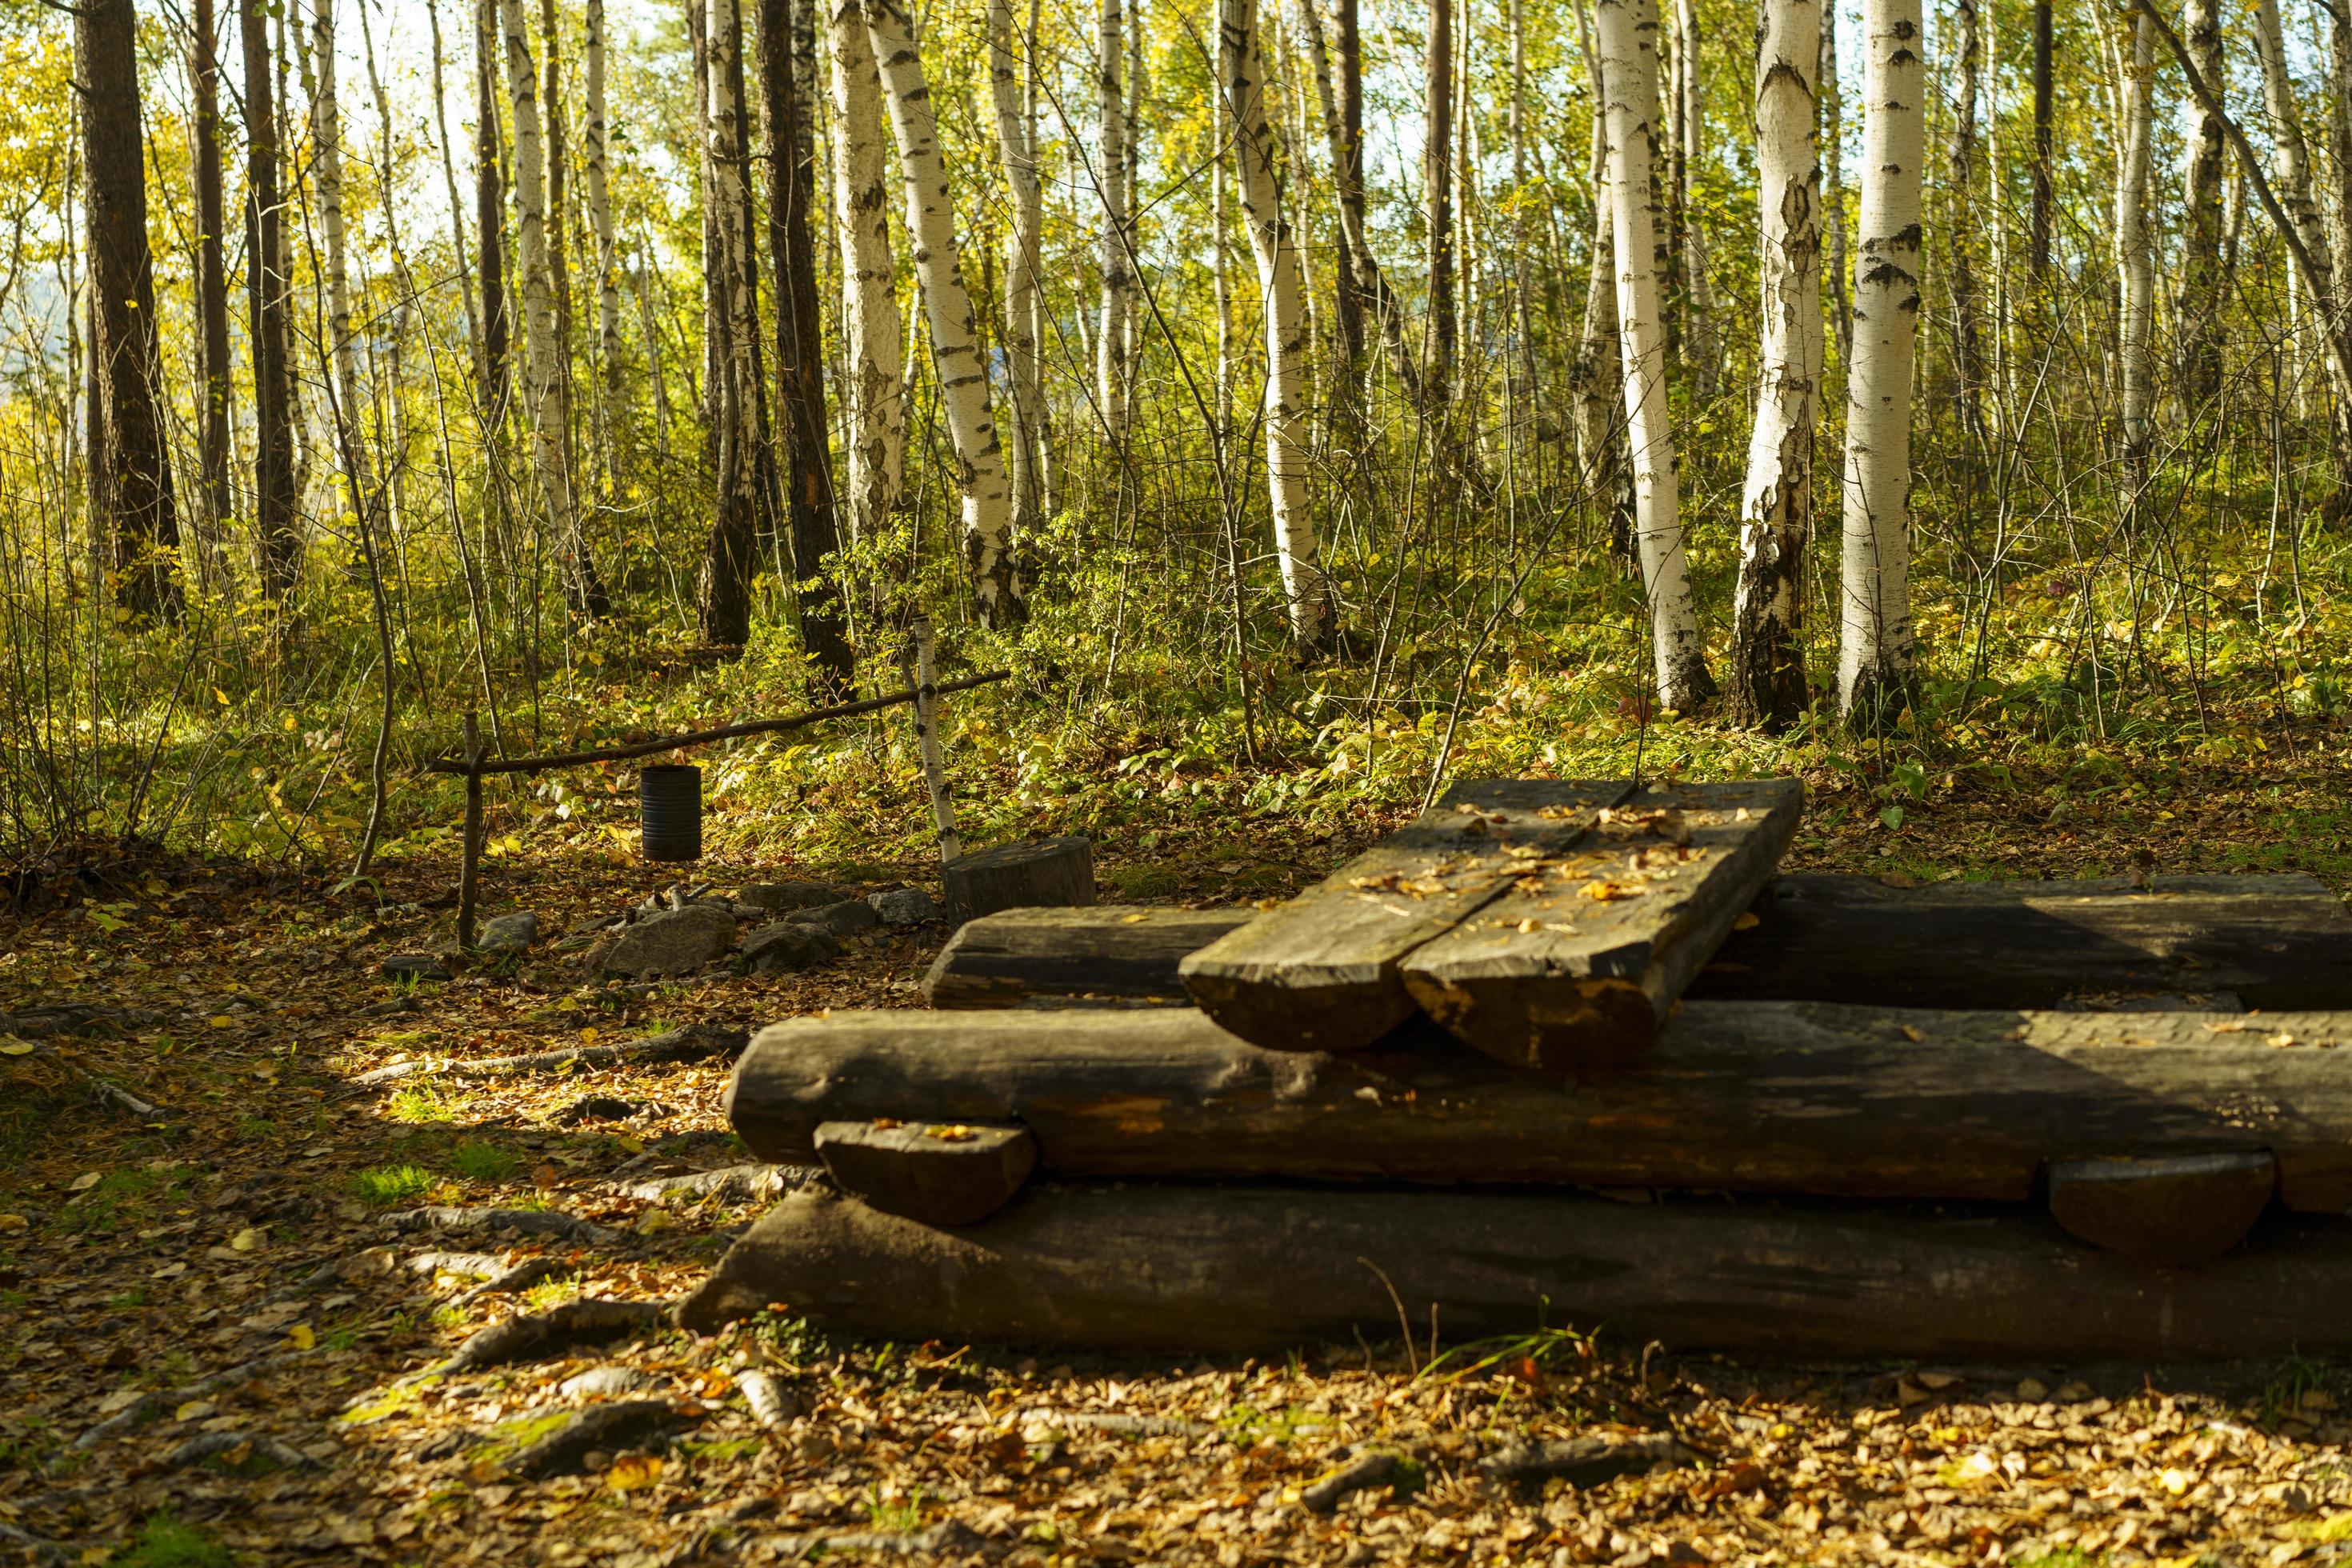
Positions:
{"x": 302, "y": 1336}
{"x": 1133, "y": 920}
{"x": 1747, "y": 921}
{"x": 193, "y": 1409}
{"x": 2176, "y": 1481}
{"x": 633, "y": 1473}
{"x": 12, "y": 1046}
{"x": 223, "y": 696}
{"x": 86, "y": 1181}
{"x": 221, "y": 1021}
{"x": 588, "y": 1036}
{"x": 247, "y": 1239}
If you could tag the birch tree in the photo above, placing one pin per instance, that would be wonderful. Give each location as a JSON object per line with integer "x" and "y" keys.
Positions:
{"x": 212, "y": 277}
{"x": 1111, "y": 174}
{"x": 594, "y": 174}
{"x": 988, "y": 540}
{"x": 489, "y": 209}
{"x": 2196, "y": 306}
{"x": 1241, "y": 69}
{"x": 1767, "y": 682}
{"x": 1875, "y": 650}
{"x": 728, "y": 558}
{"x": 872, "y": 392}
{"x": 550, "y": 464}
{"x": 1017, "y": 147}
{"x": 2290, "y": 173}
{"x": 1629, "y": 81}
{"x": 2135, "y": 250}
{"x": 1702, "y": 349}
{"x": 267, "y": 292}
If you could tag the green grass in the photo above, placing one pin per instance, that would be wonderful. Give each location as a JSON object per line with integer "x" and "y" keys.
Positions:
{"x": 385, "y": 1186}
{"x": 1145, "y": 881}
{"x": 897, "y": 1516}
{"x": 165, "y": 1543}
{"x": 421, "y": 1104}
{"x": 478, "y": 1161}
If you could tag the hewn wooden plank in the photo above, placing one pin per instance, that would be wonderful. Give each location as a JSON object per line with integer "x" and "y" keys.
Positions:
{"x": 1321, "y": 972}
{"x": 1577, "y": 967}
{"x": 1776, "y": 1096}
{"x": 2273, "y": 941}
{"x": 2181, "y": 1209}
{"x": 1111, "y": 953}
{"x": 950, "y": 1172}
{"x": 1153, "y": 1266}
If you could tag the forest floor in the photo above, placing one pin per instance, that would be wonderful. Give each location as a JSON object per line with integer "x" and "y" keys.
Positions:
{"x": 224, "y": 1284}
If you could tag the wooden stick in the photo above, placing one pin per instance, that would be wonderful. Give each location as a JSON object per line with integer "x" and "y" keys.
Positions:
{"x": 926, "y": 739}
{"x": 470, "y": 864}
{"x": 705, "y": 737}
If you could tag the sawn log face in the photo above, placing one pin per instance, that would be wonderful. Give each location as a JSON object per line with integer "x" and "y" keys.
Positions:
{"x": 1778, "y": 1097}
{"x": 1221, "y": 1269}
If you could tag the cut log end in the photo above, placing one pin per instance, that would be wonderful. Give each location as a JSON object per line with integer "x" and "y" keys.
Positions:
{"x": 1564, "y": 1027}
{"x": 939, "y": 1173}
{"x": 1058, "y": 872}
{"x": 1325, "y": 1014}
{"x": 2179, "y": 1211}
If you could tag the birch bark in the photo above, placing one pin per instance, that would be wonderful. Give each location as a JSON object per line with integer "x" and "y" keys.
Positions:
{"x": 1875, "y": 653}
{"x": 1017, "y": 143}
{"x": 1767, "y": 682}
{"x": 2204, "y": 161}
{"x": 596, "y": 176}
{"x": 947, "y": 307}
{"x": 1629, "y": 76}
{"x": 2135, "y": 251}
{"x": 1111, "y": 176}
{"x": 728, "y": 561}
{"x": 871, "y": 325}
{"x": 1242, "y": 75}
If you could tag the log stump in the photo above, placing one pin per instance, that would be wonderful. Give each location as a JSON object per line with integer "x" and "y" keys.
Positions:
{"x": 943, "y": 1173}
{"x": 1039, "y": 871}
{"x": 2179, "y": 1210}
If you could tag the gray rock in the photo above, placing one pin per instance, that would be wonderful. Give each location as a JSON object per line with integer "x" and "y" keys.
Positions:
{"x": 839, "y": 920}
{"x": 671, "y": 942}
{"x": 903, "y": 906}
{"x": 788, "y": 945}
{"x": 602, "y": 1380}
{"x": 414, "y": 966}
{"x": 510, "y": 933}
{"x": 780, "y": 897}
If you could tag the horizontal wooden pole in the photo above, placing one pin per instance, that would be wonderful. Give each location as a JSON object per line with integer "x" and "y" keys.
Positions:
{"x": 702, "y": 737}
{"x": 1790, "y": 1097}
{"x": 1154, "y": 1267}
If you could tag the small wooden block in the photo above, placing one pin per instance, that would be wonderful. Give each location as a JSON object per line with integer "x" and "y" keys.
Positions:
{"x": 1577, "y": 965}
{"x": 1040, "y": 871}
{"x": 940, "y": 1174}
{"x": 1110, "y": 952}
{"x": 2177, "y": 1210}
{"x": 1321, "y": 973}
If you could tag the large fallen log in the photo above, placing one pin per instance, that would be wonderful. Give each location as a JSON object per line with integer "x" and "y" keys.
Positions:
{"x": 2272, "y": 942}
{"x": 1167, "y": 1268}
{"x": 1783, "y": 1097}
{"x": 1578, "y": 967}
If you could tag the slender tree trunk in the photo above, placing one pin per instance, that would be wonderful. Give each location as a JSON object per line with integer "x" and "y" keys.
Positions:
{"x": 799, "y": 355}
{"x": 1111, "y": 177}
{"x": 1016, "y": 145}
{"x": 1343, "y": 112}
{"x": 730, "y": 559}
{"x": 1596, "y": 375}
{"x": 2038, "y": 252}
{"x": 1241, "y": 69}
{"x": 1767, "y": 683}
{"x": 583, "y": 589}
{"x": 2136, "y": 255}
{"x": 1833, "y": 186}
{"x": 1701, "y": 346}
{"x": 1348, "y": 297}
{"x": 449, "y": 177}
{"x": 1221, "y": 281}
{"x": 131, "y": 469}
{"x": 212, "y": 283}
{"x": 556, "y": 126}
{"x": 267, "y": 289}
{"x": 1629, "y": 75}
{"x": 2339, "y": 211}
{"x": 489, "y": 210}
{"x": 1875, "y": 655}
{"x": 870, "y": 327}
{"x": 1967, "y": 351}
{"x": 2196, "y": 306}
{"x": 1437, "y": 195}
{"x": 947, "y": 305}
{"x": 2291, "y": 177}
{"x": 1132, "y": 323}
{"x": 595, "y": 155}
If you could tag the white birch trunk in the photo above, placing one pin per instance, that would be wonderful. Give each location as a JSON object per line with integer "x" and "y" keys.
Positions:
{"x": 873, "y": 391}
{"x": 1767, "y": 684}
{"x": 946, "y": 307}
{"x": 327, "y": 138}
{"x": 1702, "y": 351}
{"x": 1111, "y": 176}
{"x": 548, "y": 460}
{"x": 2136, "y": 249}
{"x": 1629, "y": 75}
{"x": 2290, "y": 173}
{"x": 728, "y": 568}
{"x": 1017, "y": 148}
{"x": 1242, "y": 74}
{"x": 593, "y": 152}
{"x": 1875, "y": 652}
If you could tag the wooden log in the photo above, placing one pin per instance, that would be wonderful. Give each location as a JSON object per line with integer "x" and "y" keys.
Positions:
{"x": 937, "y": 1172}
{"x": 1052, "y": 871}
{"x": 1152, "y": 1267}
{"x": 1113, "y": 952}
{"x": 2276, "y": 942}
{"x": 1578, "y": 967}
{"x": 2272, "y": 942}
{"x": 2181, "y": 1209}
{"x": 1790, "y": 1097}
{"x": 1322, "y": 971}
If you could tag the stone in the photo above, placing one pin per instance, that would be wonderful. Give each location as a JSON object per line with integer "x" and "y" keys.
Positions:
{"x": 414, "y": 966}
{"x": 787, "y": 946}
{"x": 671, "y": 941}
{"x": 778, "y": 897}
{"x": 602, "y": 1380}
{"x": 837, "y": 919}
{"x": 510, "y": 933}
{"x": 904, "y": 906}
